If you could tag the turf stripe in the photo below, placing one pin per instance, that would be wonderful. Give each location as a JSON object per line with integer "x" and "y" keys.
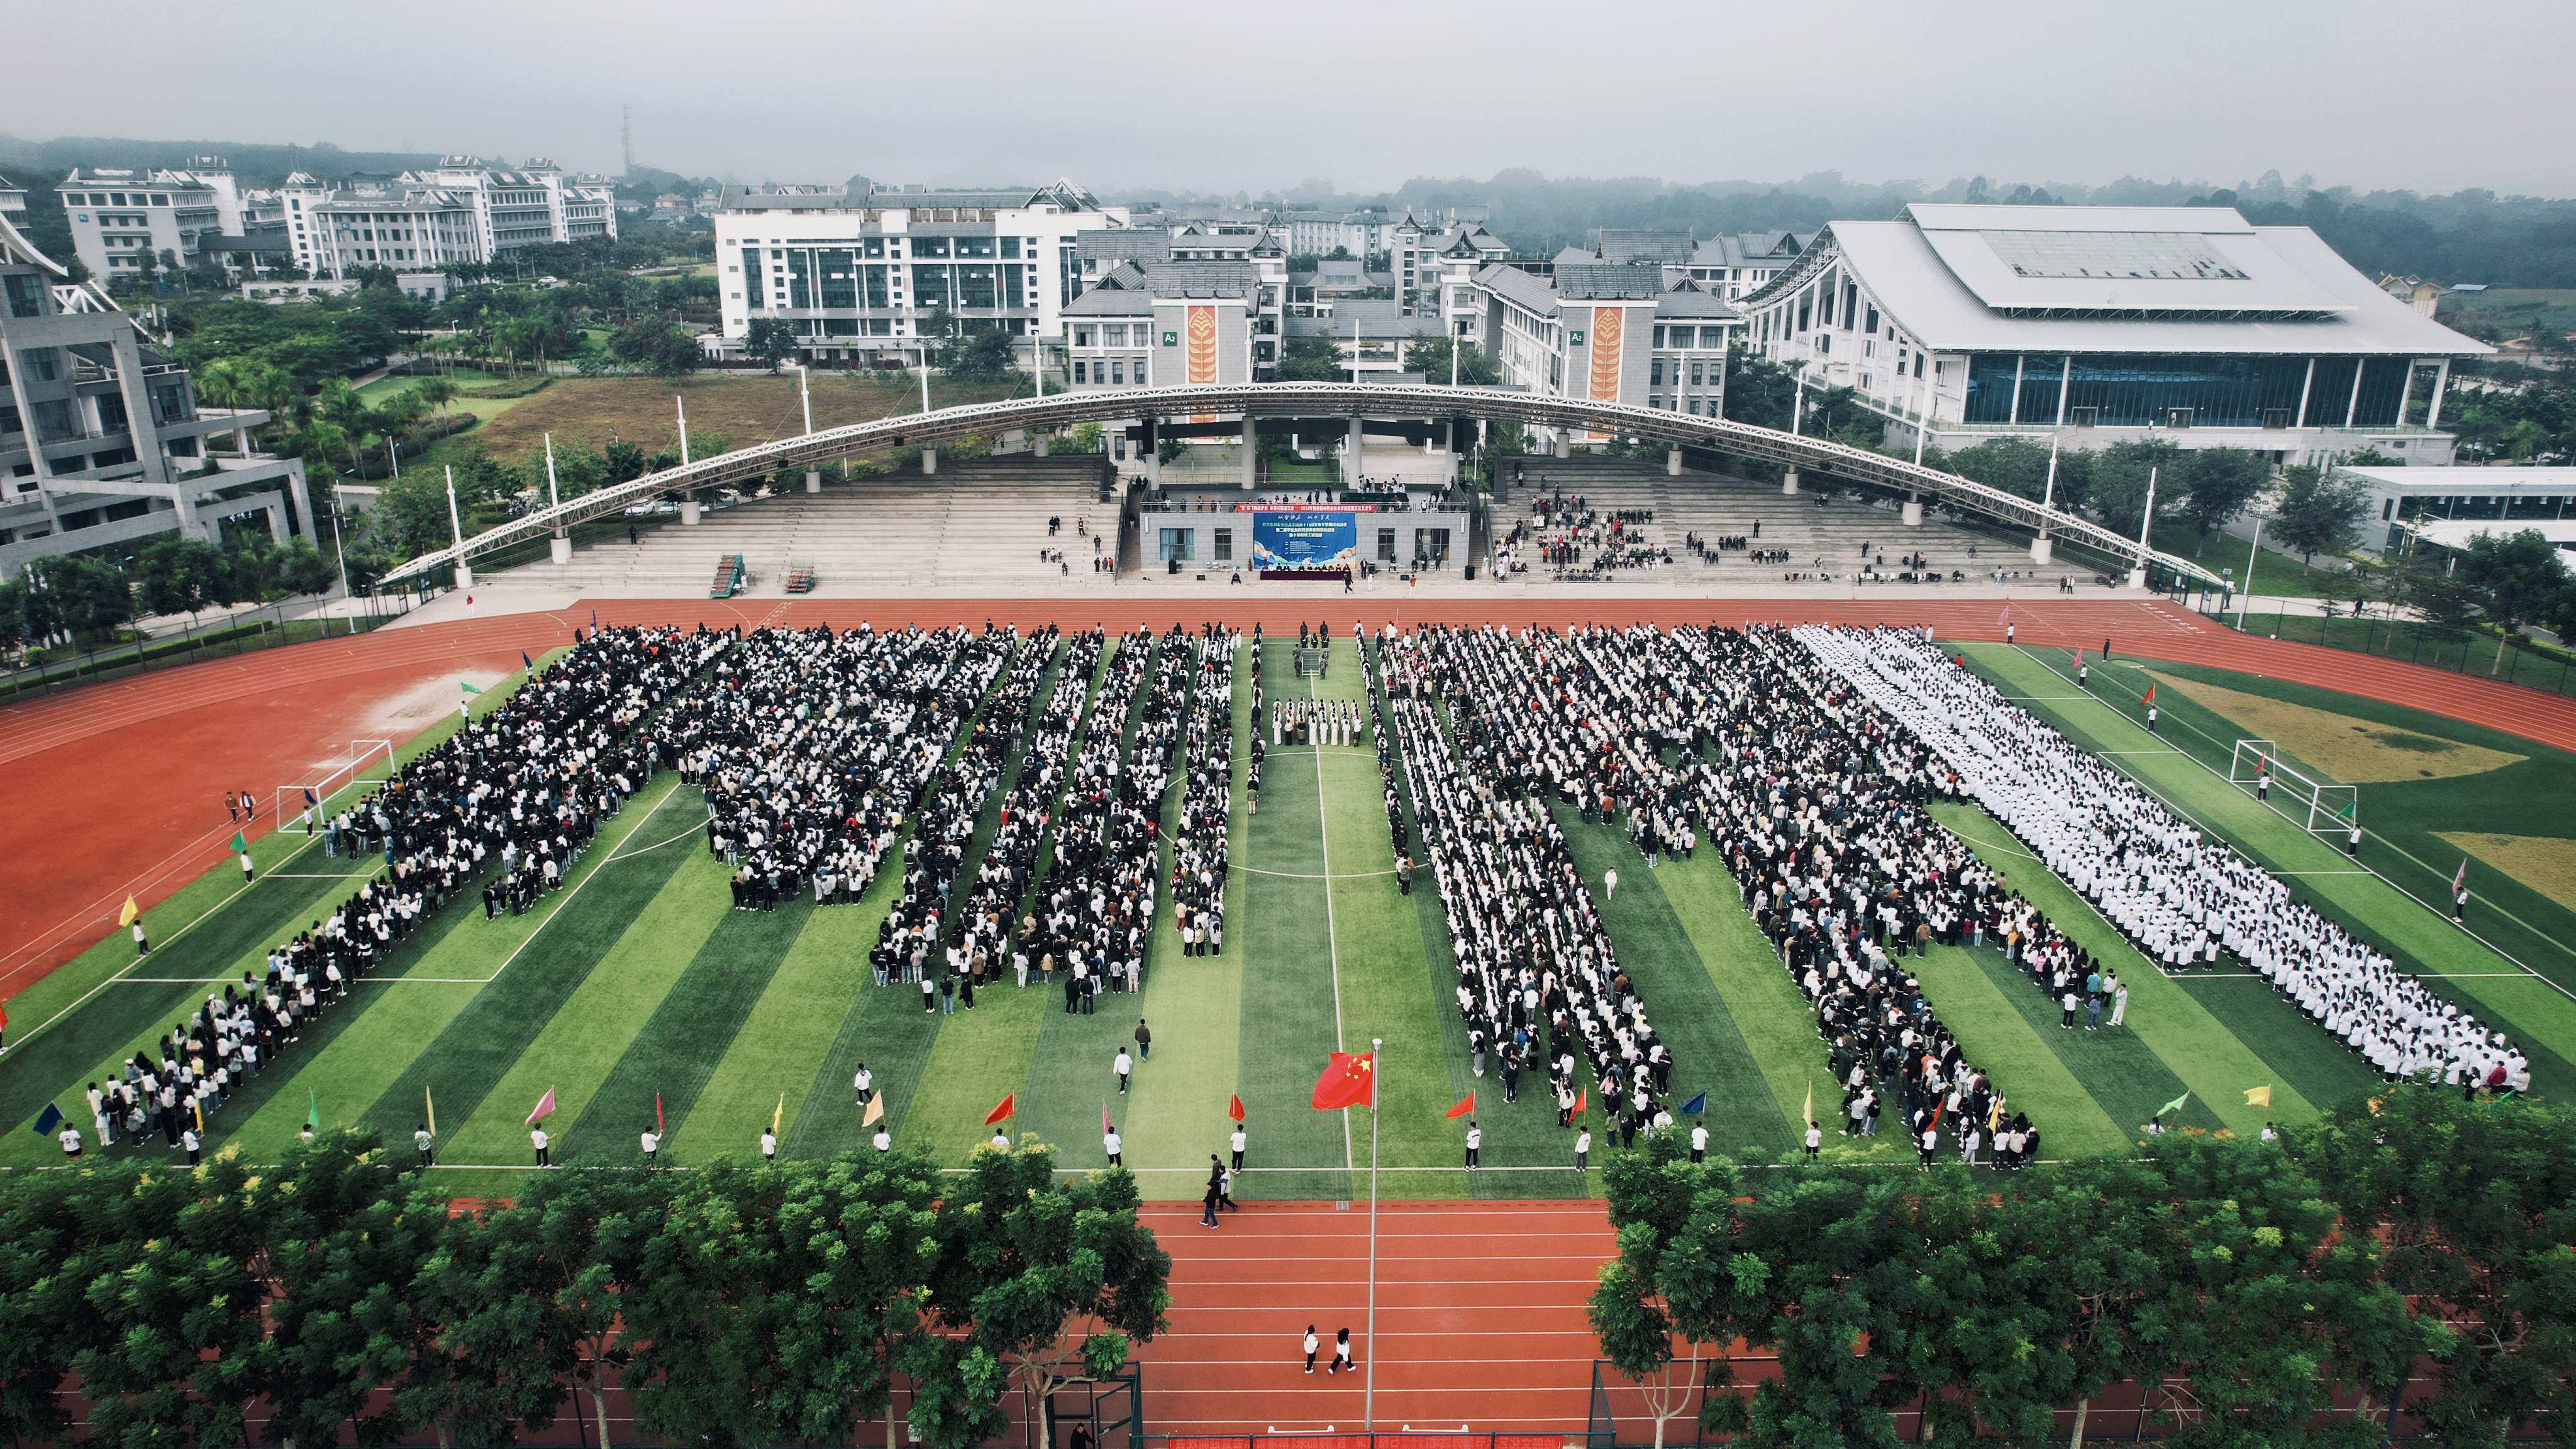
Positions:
{"x": 475, "y": 1053}
{"x": 1175, "y": 1114}
{"x": 1999, "y": 1041}
{"x": 796, "y": 1023}
{"x": 687, "y": 1034}
{"x": 1385, "y": 981}
{"x": 1288, "y": 1033}
{"x": 1777, "y": 1026}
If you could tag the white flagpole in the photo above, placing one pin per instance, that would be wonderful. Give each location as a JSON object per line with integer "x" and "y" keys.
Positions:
{"x": 1368, "y": 1398}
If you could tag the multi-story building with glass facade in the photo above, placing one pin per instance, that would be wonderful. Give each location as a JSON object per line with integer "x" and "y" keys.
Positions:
{"x": 854, "y": 273}
{"x": 102, "y": 444}
{"x": 2094, "y": 324}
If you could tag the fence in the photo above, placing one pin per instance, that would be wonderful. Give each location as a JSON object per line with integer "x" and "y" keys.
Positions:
{"x": 2415, "y": 643}
{"x": 2125, "y": 1412}
{"x": 1407, "y": 1440}
{"x": 265, "y": 627}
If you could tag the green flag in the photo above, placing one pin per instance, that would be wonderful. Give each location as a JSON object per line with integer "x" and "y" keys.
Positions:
{"x": 2173, "y": 1106}
{"x": 312, "y": 1110}
{"x": 469, "y": 689}
{"x": 2348, "y": 807}
{"x": 240, "y": 844}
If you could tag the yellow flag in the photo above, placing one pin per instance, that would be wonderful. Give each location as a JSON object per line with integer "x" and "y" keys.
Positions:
{"x": 778, "y": 1116}
{"x": 1810, "y": 1114}
{"x": 431, "y": 1104}
{"x": 2259, "y": 1096}
{"x": 200, "y": 1109}
{"x": 876, "y": 1109}
{"x": 126, "y": 917}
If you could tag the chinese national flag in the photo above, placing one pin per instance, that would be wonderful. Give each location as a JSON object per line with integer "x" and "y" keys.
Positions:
{"x": 1465, "y": 1107}
{"x": 1234, "y": 1107}
{"x": 1582, "y": 1100}
{"x": 1001, "y": 1112}
{"x": 1346, "y": 1082}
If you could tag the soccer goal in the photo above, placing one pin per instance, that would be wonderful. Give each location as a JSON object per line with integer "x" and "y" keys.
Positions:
{"x": 2317, "y": 806}
{"x": 364, "y": 759}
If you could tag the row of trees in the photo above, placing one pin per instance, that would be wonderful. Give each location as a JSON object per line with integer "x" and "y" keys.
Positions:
{"x": 81, "y": 597}
{"x": 736, "y": 1305}
{"x": 2257, "y": 1294}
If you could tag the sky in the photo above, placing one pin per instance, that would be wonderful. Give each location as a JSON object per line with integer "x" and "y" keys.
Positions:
{"x": 1225, "y": 97}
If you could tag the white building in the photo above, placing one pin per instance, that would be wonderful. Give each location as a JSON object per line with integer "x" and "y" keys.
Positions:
{"x": 853, "y": 274}
{"x": 13, "y": 202}
{"x": 118, "y": 215}
{"x": 530, "y": 206}
{"x": 1742, "y": 263}
{"x": 1435, "y": 266}
{"x": 1609, "y": 332}
{"x": 1178, "y": 322}
{"x": 2449, "y": 506}
{"x": 2096, "y": 324}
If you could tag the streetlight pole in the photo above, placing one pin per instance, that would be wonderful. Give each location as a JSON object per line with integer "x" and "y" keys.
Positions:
{"x": 2251, "y": 554}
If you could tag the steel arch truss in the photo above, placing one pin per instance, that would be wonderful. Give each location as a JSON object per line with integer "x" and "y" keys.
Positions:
{"x": 1312, "y": 399}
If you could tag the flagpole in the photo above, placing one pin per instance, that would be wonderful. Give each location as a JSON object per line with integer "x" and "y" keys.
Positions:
{"x": 1368, "y": 1397}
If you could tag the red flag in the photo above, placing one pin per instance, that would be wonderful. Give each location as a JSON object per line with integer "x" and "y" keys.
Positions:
{"x": 545, "y": 1108}
{"x": 1582, "y": 1100}
{"x": 1465, "y": 1107}
{"x": 1105, "y": 1128}
{"x": 1233, "y": 1105}
{"x": 2151, "y": 695}
{"x": 657, "y": 1114}
{"x": 1001, "y": 1112}
{"x": 1349, "y": 1081}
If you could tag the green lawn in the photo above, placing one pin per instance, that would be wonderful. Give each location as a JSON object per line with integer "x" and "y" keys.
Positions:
{"x": 637, "y": 985}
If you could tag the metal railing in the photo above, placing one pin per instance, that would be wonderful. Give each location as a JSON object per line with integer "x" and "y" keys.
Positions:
{"x": 1304, "y": 399}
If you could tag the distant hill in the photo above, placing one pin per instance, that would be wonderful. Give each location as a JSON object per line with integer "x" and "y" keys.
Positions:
{"x": 35, "y": 164}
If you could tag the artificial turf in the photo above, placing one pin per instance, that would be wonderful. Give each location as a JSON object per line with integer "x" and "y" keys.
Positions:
{"x": 637, "y": 979}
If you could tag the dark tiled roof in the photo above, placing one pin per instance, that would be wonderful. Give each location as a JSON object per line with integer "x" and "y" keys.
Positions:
{"x": 1607, "y": 281}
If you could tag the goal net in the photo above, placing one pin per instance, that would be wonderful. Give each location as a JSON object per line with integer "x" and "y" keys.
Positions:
{"x": 2321, "y": 807}
{"x": 302, "y": 805}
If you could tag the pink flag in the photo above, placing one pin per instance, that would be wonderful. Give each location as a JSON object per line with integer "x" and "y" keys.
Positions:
{"x": 1105, "y": 1128}
{"x": 545, "y": 1108}
{"x": 2005, "y": 617}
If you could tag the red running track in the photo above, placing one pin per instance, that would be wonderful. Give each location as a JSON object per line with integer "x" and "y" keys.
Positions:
{"x": 1479, "y": 1316}
{"x": 116, "y": 786}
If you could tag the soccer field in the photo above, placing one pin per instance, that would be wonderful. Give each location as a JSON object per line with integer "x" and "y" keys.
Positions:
{"x": 638, "y": 984}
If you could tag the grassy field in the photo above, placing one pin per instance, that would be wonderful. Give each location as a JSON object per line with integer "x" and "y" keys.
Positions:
{"x": 637, "y": 985}
{"x": 2515, "y": 308}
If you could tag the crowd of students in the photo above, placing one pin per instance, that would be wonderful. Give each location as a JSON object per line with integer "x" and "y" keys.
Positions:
{"x": 2183, "y": 898}
{"x": 523, "y": 787}
{"x": 1199, "y": 861}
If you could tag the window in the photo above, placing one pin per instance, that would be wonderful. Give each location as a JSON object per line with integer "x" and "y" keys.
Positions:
{"x": 1872, "y": 328}
{"x": 1084, "y": 337}
{"x": 1224, "y": 552}
{"x": 1386, "y": 545}
{"x": 1118, "y": 372}
{"x": 1079, "y": 369}
{"x": 1113, "y": 334}
{"x": 26, "y": 295}
{"x": 1176, "y": 545}
{"x": 1697, "y": 368}
{"x": 1655, "y": 373}
{"x": 1659, "y": 338}
{"x": 42, "y": 364}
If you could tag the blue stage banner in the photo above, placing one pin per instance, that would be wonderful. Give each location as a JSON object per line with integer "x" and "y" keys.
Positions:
{"x": 1292, "y": 541}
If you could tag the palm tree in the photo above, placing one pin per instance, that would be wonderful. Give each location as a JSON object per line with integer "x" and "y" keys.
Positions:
{"x": 437, "y": 392}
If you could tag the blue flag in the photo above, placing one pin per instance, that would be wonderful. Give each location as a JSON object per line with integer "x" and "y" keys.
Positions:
{"x": 1695, "y": 1105}
{"x": 308, "y": 798}
{"x": 48, "y": 1120}
{"x": 524, "y": 659}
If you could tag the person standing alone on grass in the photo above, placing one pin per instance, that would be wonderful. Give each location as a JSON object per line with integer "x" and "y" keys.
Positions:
{"x": 1144, "y": 1040}
{"x": 2119, "y": 1001}
{"x": 2151, "y": 719}
{"x": 652, "y": 1141}
{"x": 142, "y": 945}
{"x": 1583, "y": 1152}
{"x": 537, "y": 1136}
{"x": 1236, "y": 1142}
{"x": 245, "y": 865}
{"x": 424, "y": 1145}
{"x": 1815, "y": 1141}
{"x": 1123, "y": 1065}
{"x": 769, "y": 1147}
{"x": 1609, "y": 886}
{"x": 1110, "y": 1143}
{"x": 1475, "y": 1140}
{"x": 2460, "y": 908}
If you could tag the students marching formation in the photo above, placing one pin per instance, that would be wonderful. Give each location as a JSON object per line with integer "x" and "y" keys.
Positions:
{"x": 2181, "y": 898}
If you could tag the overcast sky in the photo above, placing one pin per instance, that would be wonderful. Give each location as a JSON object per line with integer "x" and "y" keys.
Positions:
{"x": 1226, "y": 97}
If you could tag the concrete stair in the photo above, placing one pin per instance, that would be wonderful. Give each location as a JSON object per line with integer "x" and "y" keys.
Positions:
{"x": 975, "y": 523}
{"x": 1716, "y": 505}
